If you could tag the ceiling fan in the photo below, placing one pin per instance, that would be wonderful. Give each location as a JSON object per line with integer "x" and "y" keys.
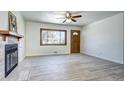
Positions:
{"x": 68, "y": 17}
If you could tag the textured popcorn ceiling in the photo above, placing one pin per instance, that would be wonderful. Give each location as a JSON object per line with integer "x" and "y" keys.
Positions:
{"x": 52, "y": 16}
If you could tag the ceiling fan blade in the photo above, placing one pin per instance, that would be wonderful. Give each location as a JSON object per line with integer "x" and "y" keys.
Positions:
{"x": 64, "y": 21}
{"x": 77, "y": 16}
{"x": 73, "y": 20}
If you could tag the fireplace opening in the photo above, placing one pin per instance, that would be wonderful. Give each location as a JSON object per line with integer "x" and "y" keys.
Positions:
{"x": 11, "y": 57}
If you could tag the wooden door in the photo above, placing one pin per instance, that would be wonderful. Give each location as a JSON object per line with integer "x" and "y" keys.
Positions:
{"x": 75, "y": 41}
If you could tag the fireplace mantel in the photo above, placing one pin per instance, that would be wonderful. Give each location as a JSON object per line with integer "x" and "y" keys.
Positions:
{"x": 6, "y": 33}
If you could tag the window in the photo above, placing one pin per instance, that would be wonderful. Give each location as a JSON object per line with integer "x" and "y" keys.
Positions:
{"x": 52, "y": 37}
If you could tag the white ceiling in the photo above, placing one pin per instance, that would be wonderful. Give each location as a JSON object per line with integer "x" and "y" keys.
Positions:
{"x": 52, "y": 16}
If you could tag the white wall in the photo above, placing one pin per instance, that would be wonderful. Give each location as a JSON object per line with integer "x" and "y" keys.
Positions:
{"x": 33, "y": 47}
{"x": 3, "y": 20}
{"x": 104, "y": 39}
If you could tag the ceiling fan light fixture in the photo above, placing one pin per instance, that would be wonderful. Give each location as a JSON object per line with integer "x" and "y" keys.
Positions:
{"x": 68, "y": 20}
{"x": 67, "y": 15}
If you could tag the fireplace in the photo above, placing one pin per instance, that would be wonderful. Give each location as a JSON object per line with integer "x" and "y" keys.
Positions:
{"x": 11, "y": 57}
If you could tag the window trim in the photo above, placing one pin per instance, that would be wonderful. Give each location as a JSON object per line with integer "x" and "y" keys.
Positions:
{"x": 41, "y": 44}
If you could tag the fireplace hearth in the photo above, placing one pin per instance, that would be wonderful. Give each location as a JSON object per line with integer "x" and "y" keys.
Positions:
{"x": 11, "y": 57}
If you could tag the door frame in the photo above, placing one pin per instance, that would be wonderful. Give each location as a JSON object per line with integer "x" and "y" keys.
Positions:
{"x": 71, "y": 39}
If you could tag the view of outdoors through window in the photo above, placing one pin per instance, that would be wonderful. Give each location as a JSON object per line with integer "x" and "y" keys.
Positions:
{"x": 53, "y": 37}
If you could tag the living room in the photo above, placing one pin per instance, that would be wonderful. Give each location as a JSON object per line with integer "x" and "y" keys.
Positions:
{"x": 48, "y": 39}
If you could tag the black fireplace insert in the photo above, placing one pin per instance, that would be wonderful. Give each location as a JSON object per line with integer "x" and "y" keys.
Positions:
{"x": 11, "y": 57}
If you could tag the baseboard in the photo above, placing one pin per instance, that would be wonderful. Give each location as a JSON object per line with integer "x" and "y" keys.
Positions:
{"x": 47, "y": 55}
{"x": 102, "y": 58}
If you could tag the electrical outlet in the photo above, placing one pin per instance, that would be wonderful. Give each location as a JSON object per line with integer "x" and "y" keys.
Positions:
{"x": 55, "y": 52}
